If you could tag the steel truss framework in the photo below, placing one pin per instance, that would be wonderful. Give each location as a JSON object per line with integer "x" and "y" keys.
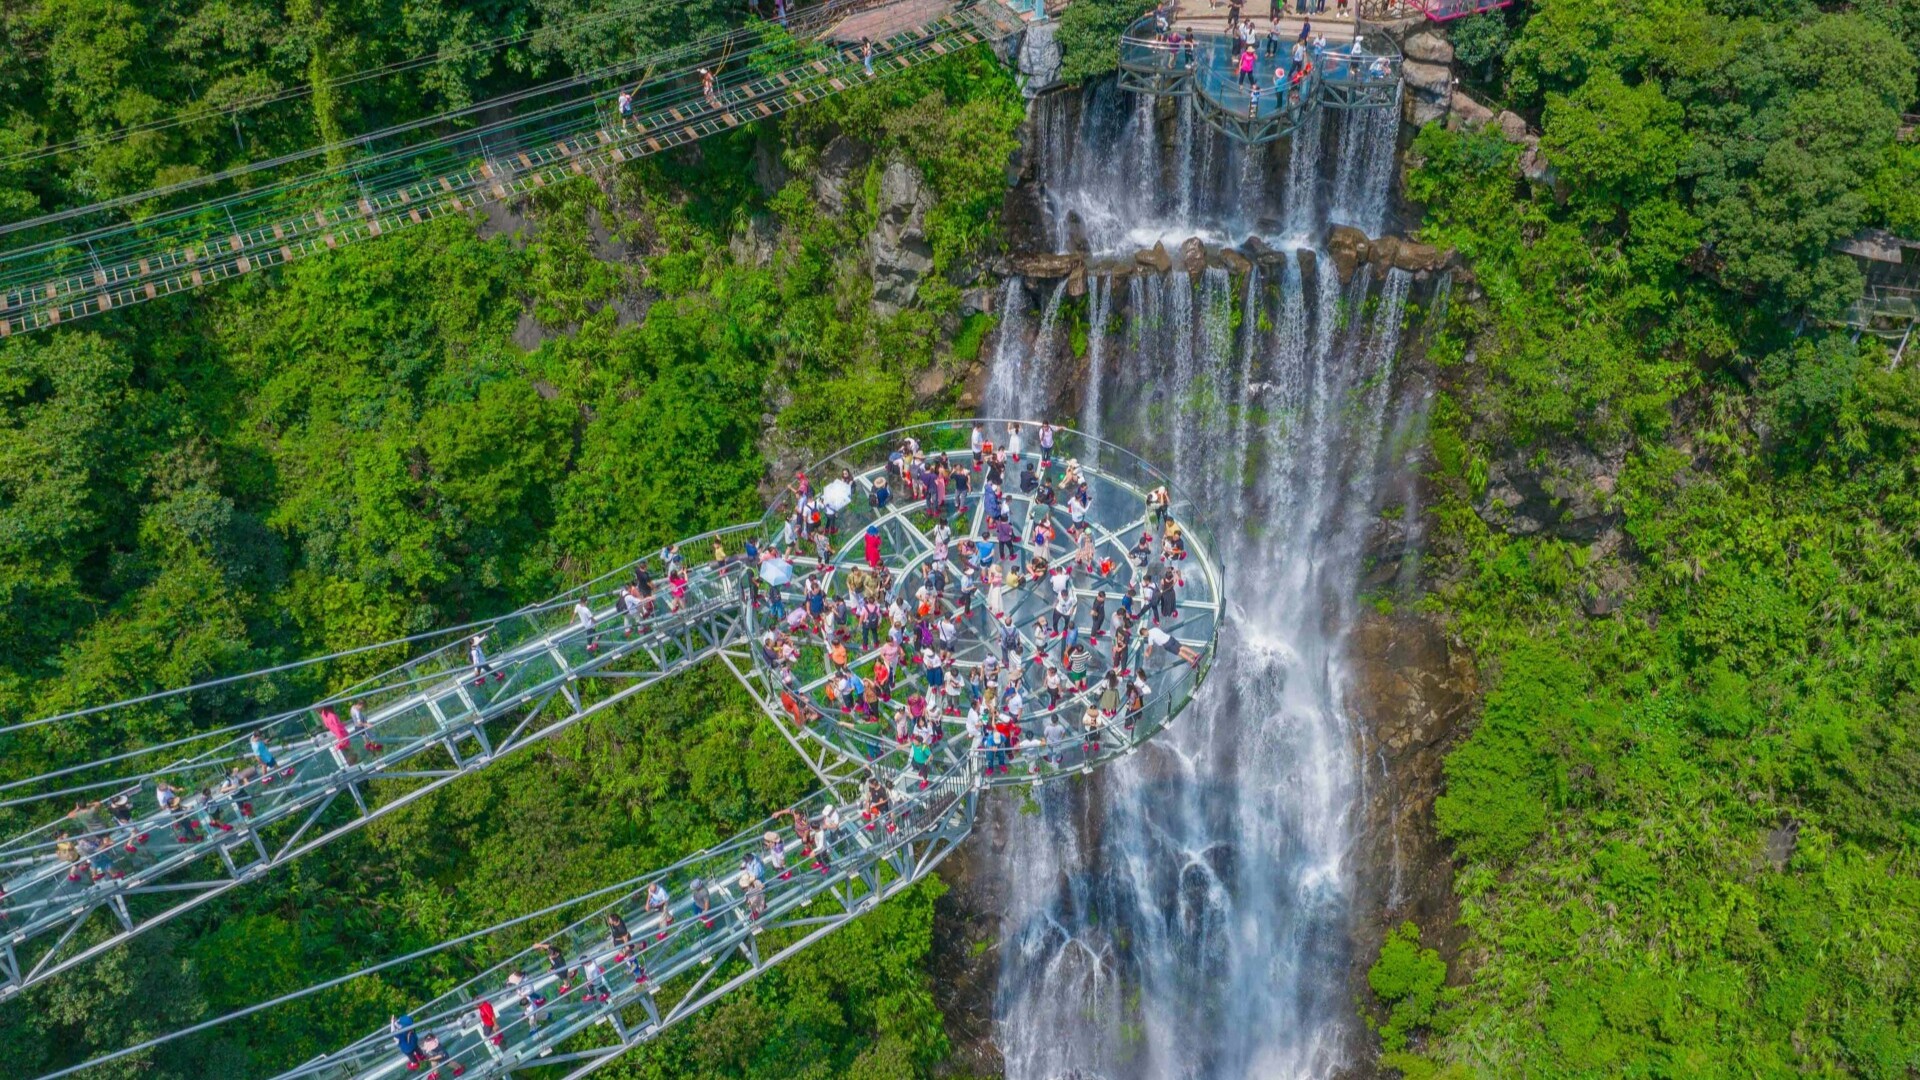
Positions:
{"x": 724, "y": 915}
{"x": 428, "y": 724}
{"x": 911, "y": 549}
{"x": 607, "y": 994}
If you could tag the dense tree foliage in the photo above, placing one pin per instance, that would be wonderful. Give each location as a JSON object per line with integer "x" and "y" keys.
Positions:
{"x": 1688, "y": 815}
{"x": 426, "y": 429}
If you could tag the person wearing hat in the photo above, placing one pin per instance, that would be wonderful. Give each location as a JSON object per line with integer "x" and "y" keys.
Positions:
{"x": 872, "y": 545}
{"x": 755, "y": 892}
{"x": 481, "y": 668}
{"x": 776, "y": 855}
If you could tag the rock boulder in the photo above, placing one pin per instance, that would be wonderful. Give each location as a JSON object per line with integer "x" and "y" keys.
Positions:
{"x": 1415, "y": 257}
{"x": 898, "y": 246}
{"x": 1428, "y": 46}
{"x": 1262, "y": 252}
{"x": 1385, "y": 250}
{"x": 1349, "y": 248}
{"x": 1429, "y": 80}
{"x": 1470, "y": 112}
{"x": 1566, "y": 492}
{"x": 1039, "y": 58}
{"x": 834, "y": 172}
{"x": 1155, "y": 259}
{"x": 1418, "y": 110}
{"x": 1046, "y": 265}
{"x": 753, "y": 241}
{"x": 1193, "y": 255}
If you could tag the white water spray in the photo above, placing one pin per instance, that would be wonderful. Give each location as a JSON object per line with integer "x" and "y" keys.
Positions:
{"x": 1186, "y": 914}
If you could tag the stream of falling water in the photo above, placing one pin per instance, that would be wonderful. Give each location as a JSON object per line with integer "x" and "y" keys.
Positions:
{"x": 1186, "y": 915}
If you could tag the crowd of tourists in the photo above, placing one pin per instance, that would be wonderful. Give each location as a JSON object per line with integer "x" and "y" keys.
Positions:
{"x": 904, "y": 659}
{"x": 920, "y": 661}
{"x": 923, "y": 656}
{"x": 1263, "y": 59}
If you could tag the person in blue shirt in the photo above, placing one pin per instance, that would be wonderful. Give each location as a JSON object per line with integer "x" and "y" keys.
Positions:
{"x": 262, "y": 753}
{"x": 406, "y": 1039}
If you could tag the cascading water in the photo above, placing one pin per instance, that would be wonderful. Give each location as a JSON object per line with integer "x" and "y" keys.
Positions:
{"x": 1016, "y": 386}
{"x": 1186, "y": 914}
{"x": 1363, "y": 175}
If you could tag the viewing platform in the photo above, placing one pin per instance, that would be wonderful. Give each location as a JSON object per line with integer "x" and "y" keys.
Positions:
{"x": 660, "y": 947}
{"x": 1002, "y": 634}
{"x": 1178, "y": 52}
{"x": 928, "y": 615}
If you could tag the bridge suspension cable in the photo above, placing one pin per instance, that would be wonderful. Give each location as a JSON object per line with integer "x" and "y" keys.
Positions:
{"x": 361, "y": 142}
{"x": 177, "y": 837}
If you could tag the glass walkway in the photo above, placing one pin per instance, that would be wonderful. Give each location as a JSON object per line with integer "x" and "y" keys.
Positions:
{"x": 927, "y": 615}
{"x": 397, "y": 179}
{"x": 1264, "y": 91}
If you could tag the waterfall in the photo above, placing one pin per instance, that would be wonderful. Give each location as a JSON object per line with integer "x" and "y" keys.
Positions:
{"x": 1364, "y": 172}
{"x": 1303, "y": 180}
{"x": 1099, "y": 309}
{"x": 1186, "y": 914}
{"x": 1018, "y": 385}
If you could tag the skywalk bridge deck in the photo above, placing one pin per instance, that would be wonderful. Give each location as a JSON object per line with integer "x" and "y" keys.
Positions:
{"x": 764, "y": 70}
{"x": 448, "y": 713}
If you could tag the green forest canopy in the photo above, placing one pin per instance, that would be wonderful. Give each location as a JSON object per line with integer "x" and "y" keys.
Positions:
{"x": 1687, "y": 831}
{"x": 356, "y": 449}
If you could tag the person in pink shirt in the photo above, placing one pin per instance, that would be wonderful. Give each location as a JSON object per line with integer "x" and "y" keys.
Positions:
{"x": 342, "y": 746}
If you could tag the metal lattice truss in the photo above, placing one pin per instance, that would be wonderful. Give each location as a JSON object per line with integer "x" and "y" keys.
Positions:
{"x": 78, "y": 281}
{"x": 1362, "y": 74}
{"x": 194, "y": 829}
{"x": 721, "y": 918}
{"x": 663, "y": 946}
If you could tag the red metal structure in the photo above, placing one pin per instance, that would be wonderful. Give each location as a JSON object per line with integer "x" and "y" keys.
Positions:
{"x": 1432, "y": 10}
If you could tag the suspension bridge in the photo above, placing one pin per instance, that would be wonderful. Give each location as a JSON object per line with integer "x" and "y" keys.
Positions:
{"x": 149, "y": 846}
{"x": 394, "y": 179}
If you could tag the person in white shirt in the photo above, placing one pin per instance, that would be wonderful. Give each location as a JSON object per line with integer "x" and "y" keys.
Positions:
{"x": 583, "y": 611}
{"x": 1158, "y": 638}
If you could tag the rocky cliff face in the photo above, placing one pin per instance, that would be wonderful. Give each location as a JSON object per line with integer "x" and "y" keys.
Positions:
{"x": 1415, "y": 687}
{"x": 897, "y": 247}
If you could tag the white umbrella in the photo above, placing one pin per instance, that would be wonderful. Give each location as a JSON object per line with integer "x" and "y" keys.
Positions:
{"x": 837, "y": 495}
{"x": 776, "y": 571}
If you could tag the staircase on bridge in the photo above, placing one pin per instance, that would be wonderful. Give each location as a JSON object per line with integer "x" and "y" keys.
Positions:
{"x": 442, "y": 715}
{"x": 763, "y": 70}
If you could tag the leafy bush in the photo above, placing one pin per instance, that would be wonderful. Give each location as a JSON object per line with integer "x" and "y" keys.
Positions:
{"x": 1089, "y": 37}
{"x": 1407, "y": 979}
